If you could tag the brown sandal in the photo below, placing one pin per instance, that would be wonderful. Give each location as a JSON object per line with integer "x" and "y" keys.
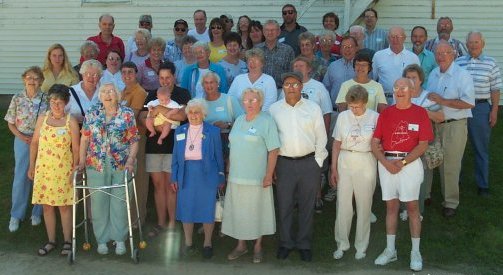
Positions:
{"x": 47, "y": 248}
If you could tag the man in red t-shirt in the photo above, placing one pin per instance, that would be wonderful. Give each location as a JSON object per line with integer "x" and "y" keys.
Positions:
{"x": 105, "y": 40}
{"x": 401, "y": 137}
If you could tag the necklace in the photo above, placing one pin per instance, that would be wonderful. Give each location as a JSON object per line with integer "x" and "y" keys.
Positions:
{"x": 56, "y": 118}
{"x": 191, "y": 146}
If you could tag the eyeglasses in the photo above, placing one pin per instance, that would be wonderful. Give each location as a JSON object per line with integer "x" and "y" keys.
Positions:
{"x": 216, "y": 27}
{"x": 250, "y": 101}
{"x": 291, "y": 85}
{"x": 448, "y": 53}
{"x": 404, "y": 88}
{"x": 288, "y": 12}
{"x": 396, "y": 36}
{"x": 180, "y": 29}
{"x": 91, "y": 75}
{"x": 108, "y": 92}
{"x": 326, "y": 41}
{"x": 114, "y": 58}
{"x": 34, "y": 78}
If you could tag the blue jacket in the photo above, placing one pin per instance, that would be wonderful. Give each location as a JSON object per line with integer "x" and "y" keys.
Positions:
{"x": 213, "y": 160}
{"x": 191, "y": 76}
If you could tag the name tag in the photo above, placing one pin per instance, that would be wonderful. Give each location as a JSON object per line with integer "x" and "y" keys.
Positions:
{"x": 222, "y": 51}
{"x": 151, "y": 73}
{"x": 413, "y": 127}
{"x": 252, "y": 130}
{"x": 281, "y": 40}
{"x": 61, "y": 132}
{"x": 180, "y": 137}
{"x": 368, "y": 128}
{"x": 219, "y": 109}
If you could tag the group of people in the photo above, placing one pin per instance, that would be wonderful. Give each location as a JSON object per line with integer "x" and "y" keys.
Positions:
{"x": 215, "y": 109}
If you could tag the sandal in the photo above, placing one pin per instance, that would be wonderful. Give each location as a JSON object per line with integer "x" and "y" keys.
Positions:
{"x": 156, "y": 231}
{"x": 47, "y": 248}
{"x": 67, "y": 249}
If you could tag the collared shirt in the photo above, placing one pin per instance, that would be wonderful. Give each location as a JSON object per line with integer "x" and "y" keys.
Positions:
{"x": 73, "y": 107}
{"x": 135, "y": 58}
{"x": 318, "y": 68}
{"x": 485, "y": 73}
{"x": 115, "y": 78}
{"x": 115, "y": 44}
{"x": 388, "y": 66}
{"x": 301, "y": 129}
{"x": 338, "y": 72}
{"x": 291, "y": 38}
{"x": 428, "y": 63}
{"x": 277, "y": 60}
{"x": 316, "y": 92}
{"x": 110, "y": 139}
{"x": 461, "y": 50}
{"x": 134, "y": 96}
{"x": 265, "y": 83}
{"x": 63, "y": 77}
{"x": 455, "y": 83}
{"x": 24, "y": 111}
{"x": 147, "y": 76}
{"x": 180, "y": 66}
{"x": 374, "y": 90}
{"x": 172, "y": 53}
{"x": 376, "y": 40}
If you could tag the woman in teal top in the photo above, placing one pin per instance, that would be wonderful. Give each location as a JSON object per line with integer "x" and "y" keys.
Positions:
{"x": 223, "y": 109}
{"x": 249, "y": 203}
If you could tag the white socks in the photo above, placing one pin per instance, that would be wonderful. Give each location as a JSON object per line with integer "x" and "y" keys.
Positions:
{"x": 390, "y": 242}
{"x": 415, "y": 244}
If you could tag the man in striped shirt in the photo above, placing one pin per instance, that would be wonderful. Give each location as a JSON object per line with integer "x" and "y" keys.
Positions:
{"x": 375, "y": 38}
{"x": 487, "y": 82}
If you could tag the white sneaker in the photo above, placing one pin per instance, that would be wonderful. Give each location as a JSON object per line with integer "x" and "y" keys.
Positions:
{"x": 13, "y": 224}
{"x": 386, "y": 257}
{"x": 35, "y": 220}
{"x": 338, "y": 254}
{"x": 360, "y": 255}
{"x": 102, "y": 248}
{"x": 331, "y": 194}
{"x": 404, "y": 215}
{"x": 373, "y": 217}
{"x": 120, "y": 248}
{"x": 416, "y": 261}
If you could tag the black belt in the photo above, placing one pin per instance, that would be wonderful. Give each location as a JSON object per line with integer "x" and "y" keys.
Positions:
{"x": 395, "y": 155}
{"x": 298, "y": 158}
{"x": 451, "y": 120}
{"x": 481, "y": 100}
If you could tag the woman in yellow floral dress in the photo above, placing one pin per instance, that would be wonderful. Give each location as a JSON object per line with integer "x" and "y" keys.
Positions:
{"x": 53, "y": 153}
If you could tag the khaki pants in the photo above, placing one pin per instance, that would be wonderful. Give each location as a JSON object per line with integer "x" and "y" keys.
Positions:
{"x": 453, "y": 136}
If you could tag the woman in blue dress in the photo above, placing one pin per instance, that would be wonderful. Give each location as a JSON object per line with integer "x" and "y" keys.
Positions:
{"x": 197, "y": 170}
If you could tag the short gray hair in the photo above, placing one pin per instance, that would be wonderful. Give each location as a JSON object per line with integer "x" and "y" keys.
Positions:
{"x": 272, "y": 22}
{"x": 104, "y": 86}
{"x": 211, "y": 74}
{"x": 258, "y": 92}
{"x": 89, "y": 44}
{"x": 197, "y": 103}
{"x": 144, "y": 32}
{"x": 255, "y": 52}
{"x": 91, "y": 63}
{"x": 200, "y": 44}
{"x": 477, "y": 33}
{"x": 328, "y": 33}
{"x": 357, "y": 93}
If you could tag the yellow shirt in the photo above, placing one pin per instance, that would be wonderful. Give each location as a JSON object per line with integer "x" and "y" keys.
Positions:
{"x": 68, "y": 79}
{"x": 217, "y": 53}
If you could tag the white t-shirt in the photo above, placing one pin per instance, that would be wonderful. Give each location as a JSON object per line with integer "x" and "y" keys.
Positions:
{"x": 355, "y": 132}
{"x": 204, "y": 37}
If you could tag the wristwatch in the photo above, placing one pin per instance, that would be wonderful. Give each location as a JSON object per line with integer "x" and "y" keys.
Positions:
{"x": 404, "y": 162}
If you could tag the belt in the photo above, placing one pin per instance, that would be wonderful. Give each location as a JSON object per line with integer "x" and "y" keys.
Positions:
{"x": 298, "y": 158}
{"x": 354, "y": 151}
{"x": 481, "y": 100}
{"x": 452, "y": 120}
{"x": 395, "y": 155}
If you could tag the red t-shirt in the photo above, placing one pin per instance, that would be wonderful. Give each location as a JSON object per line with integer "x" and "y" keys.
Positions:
{"x": 116, "y": 44}
{"x": 402, "y": 129}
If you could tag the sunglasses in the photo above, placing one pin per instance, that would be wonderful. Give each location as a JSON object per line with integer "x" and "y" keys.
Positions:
{"x": 145, "y": 23}
{"x": 291, "y": 85}
{"x": 288, "y": 12}
{"x": 180, "y": 29}
{"x": 216, "y": 27}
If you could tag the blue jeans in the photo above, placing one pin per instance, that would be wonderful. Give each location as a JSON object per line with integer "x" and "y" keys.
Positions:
{"x": 22, "y": 185}
{"x": 479, "y": 132}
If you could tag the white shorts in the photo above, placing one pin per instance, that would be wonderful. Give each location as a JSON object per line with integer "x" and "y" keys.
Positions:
{"x": 158, "y": 163}
{"x": 404, "y": 185}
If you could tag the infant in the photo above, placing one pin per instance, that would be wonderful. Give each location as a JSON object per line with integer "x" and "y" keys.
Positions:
{"x": 156, "y": 121}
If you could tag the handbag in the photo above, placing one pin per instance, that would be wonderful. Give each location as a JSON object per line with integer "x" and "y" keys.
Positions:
{"x": 434, "y": 155}
{"x": 219, "y": 207}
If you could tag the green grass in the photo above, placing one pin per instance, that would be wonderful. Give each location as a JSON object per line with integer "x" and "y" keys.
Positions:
{"x": 469, "y": 243}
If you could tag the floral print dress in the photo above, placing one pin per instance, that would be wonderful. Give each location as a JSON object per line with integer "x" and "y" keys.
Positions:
{"x": 53, "y": 169}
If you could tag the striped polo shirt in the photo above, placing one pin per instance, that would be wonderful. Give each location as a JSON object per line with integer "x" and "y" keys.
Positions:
{"x": 485, "y": 72}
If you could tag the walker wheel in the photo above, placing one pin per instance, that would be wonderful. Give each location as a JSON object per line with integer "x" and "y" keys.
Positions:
{"x": 86, "y": 246}
{"x": 142, "y": 245}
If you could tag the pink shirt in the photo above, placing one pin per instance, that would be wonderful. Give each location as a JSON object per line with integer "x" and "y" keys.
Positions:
{"x": 194, "y": 142}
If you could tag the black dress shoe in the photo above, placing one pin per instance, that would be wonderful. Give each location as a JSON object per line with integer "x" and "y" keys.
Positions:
{"x": 484, "y": 192}
{"x": 306, "y": 255}
{"x": 207, "y": 252}
{"x": 449, "y": 212}
{"x": 283, "y": 253}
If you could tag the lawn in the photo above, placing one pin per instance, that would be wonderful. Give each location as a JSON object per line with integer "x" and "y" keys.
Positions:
{"x": 469, "y": 243}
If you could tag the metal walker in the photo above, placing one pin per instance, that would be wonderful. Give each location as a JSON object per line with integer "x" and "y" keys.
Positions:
{"x": 80, "y": 183}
